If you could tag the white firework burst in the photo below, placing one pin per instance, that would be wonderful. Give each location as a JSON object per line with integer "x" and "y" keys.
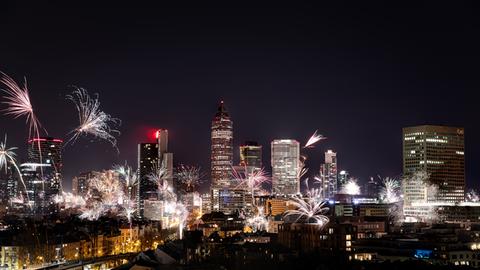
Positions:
{"x": 93, "y": 121}
{"x": 350, "y": 188}
{"x": 314, "y": 139}
{"x": 258, "y": 222}
{"x": 307, "y": 210}
{"x": 390, "y": 190}
{"x": 160, "y": 176}
{"x": 190, "y": 177}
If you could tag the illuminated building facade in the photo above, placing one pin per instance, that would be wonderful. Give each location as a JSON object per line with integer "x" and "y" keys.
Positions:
{"x": 43, "y": 172}
{"x": 343, "y": 177}
{"x": 328, "y": 174}
{"x": 221, "y": 154}
{"x": 438, "y": 151}
{"x": 285, "y": 167}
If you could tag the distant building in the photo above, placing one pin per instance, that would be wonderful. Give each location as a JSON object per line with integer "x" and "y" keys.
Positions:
{"x": 221, "y": 154}
{"x": 81, "y": 182}
{"x": 285, "y": 167}
{"x": 328, "y": 174}
{"x": 372, "y": 188}
{"x": 438, "y": 151}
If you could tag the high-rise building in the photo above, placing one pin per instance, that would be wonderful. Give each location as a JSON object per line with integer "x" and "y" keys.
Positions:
{"x": 438, "y": 151}
{"x": 251, "y": 156}
{"x": 152, "y": 156}
{"x": 221, "y": 155}
{"x": 8, "y": 184}
{"x": 285, "y": 167}
{"x": 44, "y": 168}
{"x": 222, "y": 148}
{"x": 328, "y": 174}
{"x": 147, "y": 163}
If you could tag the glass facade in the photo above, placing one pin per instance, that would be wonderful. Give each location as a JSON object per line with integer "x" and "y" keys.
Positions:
{"x": 285, "y": 167}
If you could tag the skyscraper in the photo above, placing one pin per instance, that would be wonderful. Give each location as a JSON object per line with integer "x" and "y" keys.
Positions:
{"x": 285, "y": 167}
{"x": 43, "y": 172}
{"x": 81, "y": 182}
{"x": 222, "y": 148}
{"x": 251, "y": 156}
{"x": 328, "y": 174}
{"x": 152, "y": 156}
{"x": 147, "y": 163}
{"x": 221, "y": 154}
{"x": 438, "y": 151}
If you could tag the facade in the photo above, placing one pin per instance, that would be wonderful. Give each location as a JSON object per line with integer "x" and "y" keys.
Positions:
{"x": 206, "y": 203}
{"x": 438, "y": 151}
{"x": 285, "y": 167}
{"x": 251, "y": 156}
{"x": 328, "y": 174}
{"x": 232, "y": 200}
{"x": 221, "y": 155}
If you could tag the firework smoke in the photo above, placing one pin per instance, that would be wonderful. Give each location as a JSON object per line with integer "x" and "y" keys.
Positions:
{"x": 92, "y": 120}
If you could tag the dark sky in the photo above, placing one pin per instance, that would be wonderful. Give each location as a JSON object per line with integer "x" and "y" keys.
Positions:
{"x": 357, "y": 73}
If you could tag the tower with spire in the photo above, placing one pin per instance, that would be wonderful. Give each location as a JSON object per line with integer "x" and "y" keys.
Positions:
{"x": 221, "y": 151}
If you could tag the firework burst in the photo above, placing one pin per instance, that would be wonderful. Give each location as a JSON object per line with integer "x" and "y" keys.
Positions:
{"x": 160, "y": 176}
{"x": 18, "y": 102}
{"x": 350, "y": 188}
{"x": 307, "y": 210}
{"x": 93, "y": 121}
{"x": 190, "y": 177}
{"x": 7, "y": 155}
{"x": 258, "y": 222}
{"x": 390, "y": 190}
{"x": 251, "y": 180}
{"x": 314, "y": 139}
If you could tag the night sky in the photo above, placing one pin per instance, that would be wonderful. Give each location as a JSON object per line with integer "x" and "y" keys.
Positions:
{"x": 356, "y": 73}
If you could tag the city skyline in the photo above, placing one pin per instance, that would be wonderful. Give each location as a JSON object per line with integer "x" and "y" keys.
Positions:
{"x": 270, "y": 93}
